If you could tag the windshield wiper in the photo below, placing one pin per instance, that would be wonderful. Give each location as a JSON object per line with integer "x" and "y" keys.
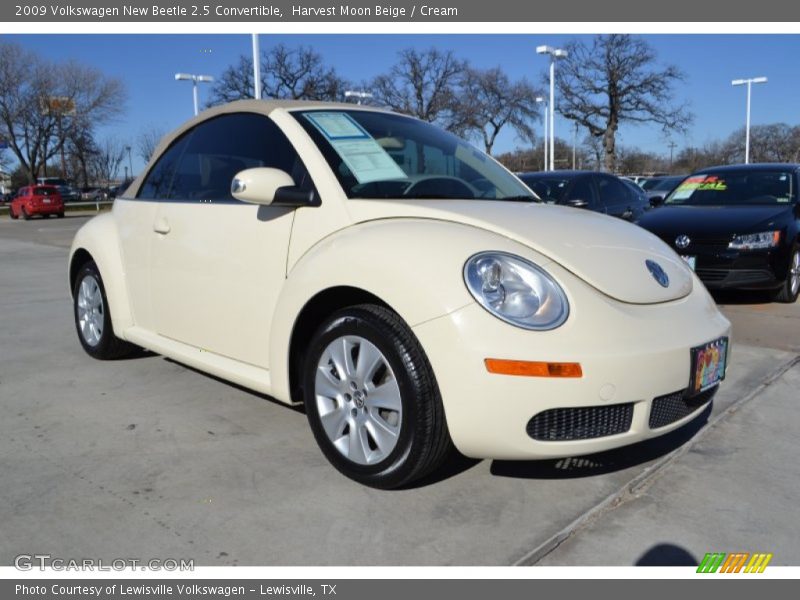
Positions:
{"x": 520, "y": 198}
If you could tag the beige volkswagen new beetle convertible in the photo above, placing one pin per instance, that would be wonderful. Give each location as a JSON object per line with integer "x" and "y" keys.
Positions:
{"x": 405, "y": 287}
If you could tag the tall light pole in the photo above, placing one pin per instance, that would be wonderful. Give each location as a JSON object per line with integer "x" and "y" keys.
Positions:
{"x": 361, "y": 96}
{"x": 555, "y": 54}
{"x": 195, "y": 79}
{"x": 540, "y": 99}
{"x": 130, "y": 162}
{"x": 256, "y": 68}
{"x": 749, "y": 83}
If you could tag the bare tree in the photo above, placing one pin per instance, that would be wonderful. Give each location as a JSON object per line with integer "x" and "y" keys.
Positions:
{"x": 107, "y": 159}
{"x": 147, "y": 142}
{"x": 424, "y": 84}
{"x": 614, "y": 81}
{"x": 490, "y": 102}
{"x": 287, "y": 73}
{"x": 43, "y": 105}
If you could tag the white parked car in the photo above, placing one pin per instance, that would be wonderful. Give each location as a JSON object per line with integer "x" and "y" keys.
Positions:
{"x": 404, "y": 286}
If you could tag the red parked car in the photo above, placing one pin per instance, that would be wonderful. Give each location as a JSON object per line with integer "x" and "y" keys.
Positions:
{"x": 33, "y": 200}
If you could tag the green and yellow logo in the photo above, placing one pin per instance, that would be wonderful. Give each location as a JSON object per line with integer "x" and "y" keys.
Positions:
{"x": 720, "y": 562}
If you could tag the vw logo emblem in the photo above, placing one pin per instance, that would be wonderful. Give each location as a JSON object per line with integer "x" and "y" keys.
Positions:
{"x": 659, "y": 274}
{"x": 683, "y": 241}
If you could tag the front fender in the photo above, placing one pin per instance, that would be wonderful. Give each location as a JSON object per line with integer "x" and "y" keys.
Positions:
{"x": 100, "y": 239}
{"x": 413, "y": 265}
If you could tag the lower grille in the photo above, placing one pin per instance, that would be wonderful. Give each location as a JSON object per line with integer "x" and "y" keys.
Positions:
{"x": 582, "y": 423}
{"x": 712, "y": 274}
{"x": 673, "y": 407}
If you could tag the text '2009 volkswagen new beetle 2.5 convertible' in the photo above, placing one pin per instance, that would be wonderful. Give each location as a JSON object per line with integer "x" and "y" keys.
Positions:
{"x": 405, "y": 287}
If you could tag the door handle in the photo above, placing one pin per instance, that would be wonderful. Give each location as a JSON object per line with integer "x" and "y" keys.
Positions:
{"x": 161, "y": 226}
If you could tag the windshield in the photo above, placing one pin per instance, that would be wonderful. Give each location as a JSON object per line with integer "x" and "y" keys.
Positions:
{"x": 665, "y": 184}
{"x": 747, "y": 186}
{"x": 380, "y": 155}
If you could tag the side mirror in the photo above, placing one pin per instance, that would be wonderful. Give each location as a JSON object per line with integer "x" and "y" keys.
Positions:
{"x": 656, "y": 201}
{"x": 268, "y": 187}
{"x": 577, "y": 203}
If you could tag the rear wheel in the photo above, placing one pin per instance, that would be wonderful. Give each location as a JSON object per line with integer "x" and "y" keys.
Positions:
{"x": 372, "y": 400}
{"x": 93, "y": 319}
{"x": 791, "y": 287}
{"x": 61, "y": 215}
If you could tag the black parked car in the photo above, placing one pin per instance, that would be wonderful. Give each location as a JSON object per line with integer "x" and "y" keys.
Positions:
{"x": 737, "y": 227}
{"x": 600, "y": 192}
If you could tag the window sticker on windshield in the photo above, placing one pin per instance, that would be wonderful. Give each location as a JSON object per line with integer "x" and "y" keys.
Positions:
{"x": 337, "y": 126}
{"x": 365, "y": 157}
{"x": 699, "y": 183}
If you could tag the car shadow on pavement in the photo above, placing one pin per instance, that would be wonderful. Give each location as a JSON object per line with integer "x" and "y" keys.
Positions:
{"x": 743, "y": 297}
{"x": 603, "y": 462}
{"x": 667, "y": 555}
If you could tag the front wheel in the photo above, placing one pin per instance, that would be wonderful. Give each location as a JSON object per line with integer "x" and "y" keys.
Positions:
{"x": 791, "y": 287}
{"x": 12, "y": 214}
{"x": 372, "y": 400}
{"x": 25, "y": 214}
{"x": 93, "y": 319}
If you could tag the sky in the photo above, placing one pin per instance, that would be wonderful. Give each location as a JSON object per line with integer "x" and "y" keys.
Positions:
{"x": 147, "y": 64}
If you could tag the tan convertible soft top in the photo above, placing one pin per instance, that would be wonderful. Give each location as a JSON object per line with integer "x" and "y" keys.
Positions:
{"x": 264, "y": 107}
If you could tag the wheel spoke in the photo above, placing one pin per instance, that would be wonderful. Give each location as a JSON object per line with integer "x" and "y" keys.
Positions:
{"x": 324, "y": 383}
{"x": 386, "y": 395}
{"x": 334, "y": 423}
{"x": 369, "y": 359}
{"x": 340, "y": 352}
{"x": 358, "y": 448}
{"x": 384, "y": 435}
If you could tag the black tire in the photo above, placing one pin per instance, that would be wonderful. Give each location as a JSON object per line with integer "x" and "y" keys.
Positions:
{"x": 46, "y": 215}
{"x": 786, "y": 294}
{"x": 11, "y": 213}
{"x": 423, "y": 442}
{"x": 24, "y": 213}
{"x": 61, "y": 215}
{"x": 109, "y": 346}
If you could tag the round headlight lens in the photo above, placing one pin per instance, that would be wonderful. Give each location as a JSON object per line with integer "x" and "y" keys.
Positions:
{"x": 516, "y": 290}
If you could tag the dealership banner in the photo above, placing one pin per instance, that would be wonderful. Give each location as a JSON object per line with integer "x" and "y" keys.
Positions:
{"x": 433, "y": 11}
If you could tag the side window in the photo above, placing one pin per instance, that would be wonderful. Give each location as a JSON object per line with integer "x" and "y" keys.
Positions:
{"x": 612, "y": 191}
{"x": 223, "y": 146}
{"x": 158, "y": 180}
{"x": 582, "y": 190}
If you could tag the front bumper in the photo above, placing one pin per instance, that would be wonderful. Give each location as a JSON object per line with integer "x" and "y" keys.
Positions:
{"x": 630, "y": 355}
{"x": 721, "y": 268}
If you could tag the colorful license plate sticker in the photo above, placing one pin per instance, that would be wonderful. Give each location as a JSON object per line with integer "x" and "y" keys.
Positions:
{"x": 709, "y": 362}
{"x": 691, "y": 261}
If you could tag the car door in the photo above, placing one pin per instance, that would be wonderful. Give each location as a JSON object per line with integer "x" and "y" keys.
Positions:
{"x": 614, "y": 198}
{"x": 218, "y": 264}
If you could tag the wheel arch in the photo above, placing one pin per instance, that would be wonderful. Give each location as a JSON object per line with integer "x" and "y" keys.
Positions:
{"x": 98, "y": 241}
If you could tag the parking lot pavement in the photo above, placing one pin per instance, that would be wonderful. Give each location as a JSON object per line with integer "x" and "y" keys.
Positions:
{"x": 735, "y": 490}
{"x": 145, "y": 458}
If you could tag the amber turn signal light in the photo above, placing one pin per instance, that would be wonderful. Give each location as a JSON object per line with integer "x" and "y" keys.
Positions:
{"x": 526, "y": 368}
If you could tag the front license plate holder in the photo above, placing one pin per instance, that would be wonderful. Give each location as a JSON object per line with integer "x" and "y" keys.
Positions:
{"x": 708, "y": 363}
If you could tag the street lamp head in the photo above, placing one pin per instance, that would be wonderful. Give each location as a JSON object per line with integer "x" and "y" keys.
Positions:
{"x": 560, "y": 53}
{"x": 544, "y": 49}
{"x": 205, "y": 78}
{"x": 183, "y": 77}
{"x": 540, "y": 99}
{"x": 760, "y": 80}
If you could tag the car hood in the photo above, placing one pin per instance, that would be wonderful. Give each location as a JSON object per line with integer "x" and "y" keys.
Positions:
{"x": 608, "y": 253}
{"x": 714, "y": 221}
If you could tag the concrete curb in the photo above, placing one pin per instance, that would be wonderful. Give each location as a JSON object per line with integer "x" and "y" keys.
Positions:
{"x": 647, "y": 477}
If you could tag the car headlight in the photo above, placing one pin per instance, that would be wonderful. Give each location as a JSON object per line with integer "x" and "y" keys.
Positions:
{"x": 755, "y": 241}
{"x": 516, "y": 290}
